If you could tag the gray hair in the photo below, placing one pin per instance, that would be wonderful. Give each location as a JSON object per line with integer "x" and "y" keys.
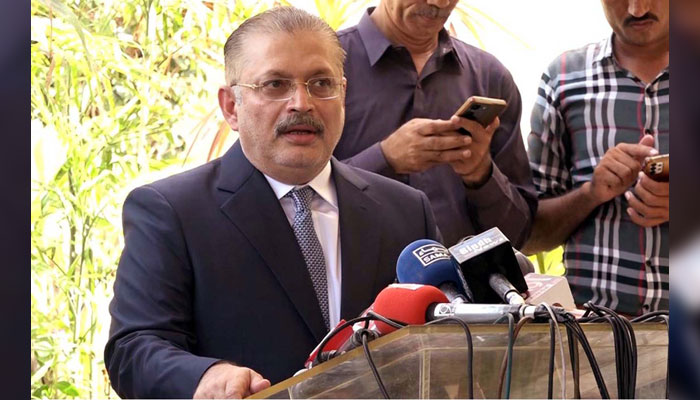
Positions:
{"x": 276, "y": 20}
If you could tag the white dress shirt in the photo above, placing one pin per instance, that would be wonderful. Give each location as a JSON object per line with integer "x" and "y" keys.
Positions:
{"x": 324, "y": 213}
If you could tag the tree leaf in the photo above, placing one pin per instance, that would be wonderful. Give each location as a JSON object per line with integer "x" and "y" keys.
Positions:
{"x": 67, "y": 388}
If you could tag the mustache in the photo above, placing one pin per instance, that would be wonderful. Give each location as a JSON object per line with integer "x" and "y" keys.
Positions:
{"x": 432, "y": 12}
{"x": 299, "y": 119}
{"x": 646, "y": 17}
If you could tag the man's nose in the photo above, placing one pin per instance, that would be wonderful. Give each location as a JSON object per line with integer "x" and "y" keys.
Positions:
{"x": 300, "y": 100}
{"x": 439, "y": 3}
{"x": 638, "y": 8}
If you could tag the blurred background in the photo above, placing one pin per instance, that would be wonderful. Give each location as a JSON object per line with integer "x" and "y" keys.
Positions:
{"x": 123, "y": 92}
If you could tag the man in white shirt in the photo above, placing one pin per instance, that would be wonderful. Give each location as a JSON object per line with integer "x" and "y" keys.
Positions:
{"x": 232, "y": 272}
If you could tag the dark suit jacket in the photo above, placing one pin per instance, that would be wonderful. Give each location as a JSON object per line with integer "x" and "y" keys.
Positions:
{"x": 211, "y": 270}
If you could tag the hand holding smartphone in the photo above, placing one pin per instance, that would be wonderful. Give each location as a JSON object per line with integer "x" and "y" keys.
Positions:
{"x": 481, "y": 109}
{"x": 657, "y": 167}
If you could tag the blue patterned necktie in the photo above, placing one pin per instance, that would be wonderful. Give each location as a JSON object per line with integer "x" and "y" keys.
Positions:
{"x": 310, "y": 246}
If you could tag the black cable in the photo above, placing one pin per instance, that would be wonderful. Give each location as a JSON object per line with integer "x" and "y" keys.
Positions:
{"x": 575, "y": 365}
{"x": 625, "y": 349}
{"x": 663, "y": 316}
{"x": 581, "y": 336}
{"x": 665, "y": 319}
{"x": 391, "y": 322}
{"x": 470, "y": 350}
{"x": 550, "y": 376}
{"x": 509, "y": 365}
{"x": 561, "y": 314}
{"x": 632, "y": 389}
{"x": 650, "y": 316}
{"x": 334, "y": 332}
{"x": 373, "y": 367}
{"x": 502, "y": 370}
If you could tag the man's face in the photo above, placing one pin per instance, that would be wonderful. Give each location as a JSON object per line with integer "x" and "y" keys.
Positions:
{"x": 289, "y": 140}
{"x": 638, "y": 22}
{"x": 419, "y": 18}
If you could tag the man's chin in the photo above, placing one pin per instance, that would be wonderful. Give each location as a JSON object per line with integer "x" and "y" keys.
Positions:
{"x": 302, "y": 160}
{"x": 641, "y": 39}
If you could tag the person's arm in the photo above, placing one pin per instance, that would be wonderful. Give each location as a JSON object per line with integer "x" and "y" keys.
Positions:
{"x": 496, "y": 171}
{"x": 558, "y": 217}
{"x": 148, "y": 353}
{"x": 616, "y": 172}
{"x": 414, "y": 147}
{"x": 229, "y": 381}
{"x": 562, "y": 208}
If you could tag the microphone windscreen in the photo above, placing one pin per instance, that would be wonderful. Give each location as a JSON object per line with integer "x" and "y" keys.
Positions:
{"x": 427, "y": 262}
{"x": 481, "y": 256}
{"x": 406, "y": 303}
{"x": 526, "y": 266}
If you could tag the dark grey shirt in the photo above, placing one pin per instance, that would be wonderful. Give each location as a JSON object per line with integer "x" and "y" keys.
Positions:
{"x": 384, "y": 91}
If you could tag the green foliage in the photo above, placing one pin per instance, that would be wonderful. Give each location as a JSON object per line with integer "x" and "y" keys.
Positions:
{"x": 336, "y": 12}
{"x": 116, "y": 88}
{"x": 120, "y": 93}
{"x": 474, "y": 19}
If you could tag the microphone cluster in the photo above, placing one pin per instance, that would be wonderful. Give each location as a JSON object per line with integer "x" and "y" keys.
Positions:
{"x": 479, "y": 280}
{"x": 463, "y": 282}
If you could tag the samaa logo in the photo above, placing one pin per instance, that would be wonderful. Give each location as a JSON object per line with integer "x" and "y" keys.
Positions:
{"x": 430, "y": 253}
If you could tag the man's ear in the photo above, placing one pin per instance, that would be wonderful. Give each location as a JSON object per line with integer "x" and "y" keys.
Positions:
{"x": 344, "y": 89}
{"x": 227, "y": 103}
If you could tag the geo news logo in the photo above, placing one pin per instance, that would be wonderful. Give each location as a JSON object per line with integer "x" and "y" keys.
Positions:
{"x": 429, "y": 253}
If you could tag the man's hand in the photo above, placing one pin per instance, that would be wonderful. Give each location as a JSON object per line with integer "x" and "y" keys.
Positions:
{"x": 473, "y": 163}
{"x": 419, "y": 144}
{"x": 649, "y": 204}
{"x": 227, "y": 381}
{"x": 618, "y": 169}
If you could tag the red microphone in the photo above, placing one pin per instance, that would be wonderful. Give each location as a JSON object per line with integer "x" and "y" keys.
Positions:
{"x": 403, "y": 302}
{"x": 406, "y": 302}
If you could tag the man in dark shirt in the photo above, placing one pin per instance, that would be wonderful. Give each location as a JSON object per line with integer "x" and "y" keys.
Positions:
{"x": 406, "y": 78}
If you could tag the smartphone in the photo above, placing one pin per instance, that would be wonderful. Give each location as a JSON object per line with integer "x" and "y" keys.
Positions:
{"x": 657, "y": 167}
{"x": 481, "y": 109}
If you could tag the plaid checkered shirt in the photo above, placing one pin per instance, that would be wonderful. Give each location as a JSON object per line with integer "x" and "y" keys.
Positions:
{"x": 587, "y": 104}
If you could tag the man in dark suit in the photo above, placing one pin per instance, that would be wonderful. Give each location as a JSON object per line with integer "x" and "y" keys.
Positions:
{"x": 232, "y": 272}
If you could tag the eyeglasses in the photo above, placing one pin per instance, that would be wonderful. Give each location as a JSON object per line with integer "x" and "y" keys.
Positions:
{"x": 281, "y": 89}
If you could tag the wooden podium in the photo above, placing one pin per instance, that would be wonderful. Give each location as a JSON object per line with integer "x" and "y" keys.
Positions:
{"x": 429, "y": 362}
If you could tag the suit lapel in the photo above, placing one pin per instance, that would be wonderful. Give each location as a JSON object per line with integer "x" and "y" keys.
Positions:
{"x": 359, "y": 240}
{"x": 256, "y": 212}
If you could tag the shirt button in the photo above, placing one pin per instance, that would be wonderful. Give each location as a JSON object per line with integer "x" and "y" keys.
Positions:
{"x": 646, "y": 307}
{"x": 648, "y": 132}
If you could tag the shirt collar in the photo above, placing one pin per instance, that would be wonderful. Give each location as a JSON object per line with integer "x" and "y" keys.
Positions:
{"x": 322, "y": 184}
{"x": 605, "y": 50}
{"x": 372, "y": 38}
{"x": 376, "y": 43}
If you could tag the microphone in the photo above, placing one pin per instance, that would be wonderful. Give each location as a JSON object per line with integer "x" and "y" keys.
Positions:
{"x": 407, "y": 303}
{"x": 526, "y": 266}
{"x": 488, "y": 262}
{"x": 418, "y": 304}
{"x": 403, "y": 302}
{"x": 428, "y": 262}
{"x": 485, "y": 313}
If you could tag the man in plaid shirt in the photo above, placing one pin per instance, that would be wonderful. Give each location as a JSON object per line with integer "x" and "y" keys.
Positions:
{"x": 601, "y": 110}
